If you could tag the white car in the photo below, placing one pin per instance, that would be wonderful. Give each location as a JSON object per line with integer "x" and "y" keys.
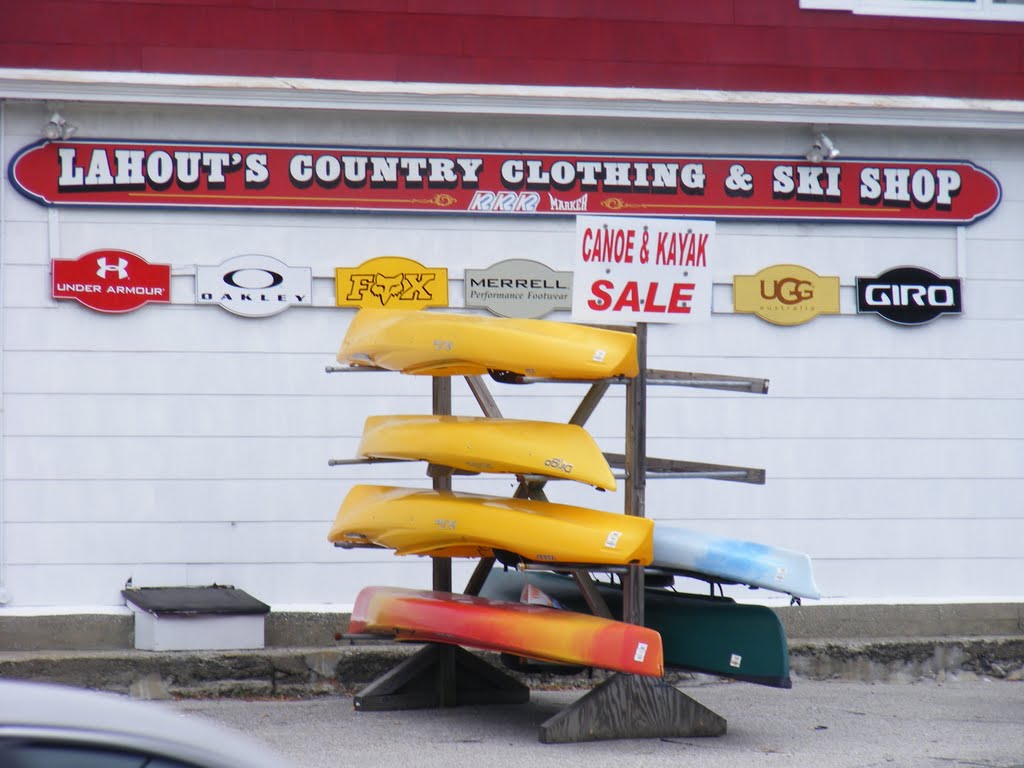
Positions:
{"x": 57, "y": 726}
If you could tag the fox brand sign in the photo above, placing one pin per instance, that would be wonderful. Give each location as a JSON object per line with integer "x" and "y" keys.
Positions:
{"x": 518, "y": 288}
{"x": 254, "y": 286}
{"x": 111, "y": 281}
{"x": 909, "y": 295}
{"x": 391, "y": 282}
{"x": 630, "y": 270}
{"x": 786, "y": 294}
{"x": 127, "y": 173}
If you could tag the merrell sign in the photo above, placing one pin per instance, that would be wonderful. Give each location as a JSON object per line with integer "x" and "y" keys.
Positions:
{"x": 518, "y": 288}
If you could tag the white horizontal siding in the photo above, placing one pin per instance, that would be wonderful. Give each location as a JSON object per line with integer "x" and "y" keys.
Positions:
{"x": 858, "y": 458}
{"x": 24, "y": 243}
{"x": 164, "y": 500}
{"x": 93, "y": 543}
{"x": 330, "y": 584}
{"x": 896, "y": 581}
{"x": 879, "y": 539}
{"x": 683, "y": 502}
{"x": 865, "y": 500}
{"x": 38, "y": 458}
{"x": 994, "y": 259}
{"x": 274, "y": 542}
{"x": 342, "y": 417}
{"x": 185, "y": 445}
{"x": 195, "y": 373}
{"x": 961, "y": 337}
{"x": 298, "y": 374}
{"x": 69, "y": 327}
{"x": 337, "y": 584}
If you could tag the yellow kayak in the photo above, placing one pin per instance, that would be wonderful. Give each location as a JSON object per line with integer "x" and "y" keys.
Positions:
{"x": 443, "y": 524}
{"x": 478, "y": 444}
{"x": 446, "y": 344}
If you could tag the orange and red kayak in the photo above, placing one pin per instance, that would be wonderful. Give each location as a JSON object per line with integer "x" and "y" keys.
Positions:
{"x": 534, "y": 631}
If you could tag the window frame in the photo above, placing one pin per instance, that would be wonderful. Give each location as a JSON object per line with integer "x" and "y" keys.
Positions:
{"x": 970, "y": 10}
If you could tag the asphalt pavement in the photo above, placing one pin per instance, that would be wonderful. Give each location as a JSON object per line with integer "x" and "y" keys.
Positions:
{"x": 954, "y": 721}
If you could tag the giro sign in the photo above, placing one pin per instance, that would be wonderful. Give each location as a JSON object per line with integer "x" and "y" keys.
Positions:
{"x": 909, "y": 295}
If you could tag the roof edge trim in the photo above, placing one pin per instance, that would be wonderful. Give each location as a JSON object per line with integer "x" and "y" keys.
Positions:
{"x": 495, "y": 99}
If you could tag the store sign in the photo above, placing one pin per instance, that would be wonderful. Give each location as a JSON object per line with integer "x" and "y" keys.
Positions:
{"x": 254, "y": 286}
{"x": 631, "y": 270}
{"x": 518, "y": 288}
{"x": 909, "y": 295}
{"x": 126, "y": 173}
{"x": 786, "y": 294}
{"x": 391, "y": 282}
{"x": 112, "y": 281}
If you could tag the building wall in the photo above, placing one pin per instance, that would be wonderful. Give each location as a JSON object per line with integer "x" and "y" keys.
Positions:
{"x": 182, "y": 444}
{"x": 733, "y": 45}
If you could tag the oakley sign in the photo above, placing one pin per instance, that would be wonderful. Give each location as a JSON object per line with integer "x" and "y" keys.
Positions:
{"x": 909, "y": 295}
{"x": 254, "y": 286}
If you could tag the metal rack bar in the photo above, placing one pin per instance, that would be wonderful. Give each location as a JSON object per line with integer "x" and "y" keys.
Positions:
{"x": 665, "y": 468}
{"x": 656, "y": 377}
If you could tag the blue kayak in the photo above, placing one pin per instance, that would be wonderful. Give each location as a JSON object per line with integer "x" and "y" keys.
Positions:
{"x": 733, "y": 561}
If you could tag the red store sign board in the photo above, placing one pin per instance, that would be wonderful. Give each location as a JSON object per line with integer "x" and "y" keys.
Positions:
{"x": 111, "y": 281}
{"x": 122, "y": 173}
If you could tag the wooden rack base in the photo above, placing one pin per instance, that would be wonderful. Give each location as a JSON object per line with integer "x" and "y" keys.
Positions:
{"x": 440, "y": 676}
{"x": 631, "y": 707}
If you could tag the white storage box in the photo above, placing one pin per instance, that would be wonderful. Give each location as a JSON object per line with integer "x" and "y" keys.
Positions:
{"x": 213, "y": 618}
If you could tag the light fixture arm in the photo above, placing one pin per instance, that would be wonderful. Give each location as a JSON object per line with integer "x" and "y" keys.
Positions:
{"x": 57, "y": 128}
{"x": 822, "y": 149}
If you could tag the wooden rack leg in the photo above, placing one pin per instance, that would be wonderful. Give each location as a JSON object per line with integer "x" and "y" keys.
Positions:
{"x": 445, "y": 679}
{"x": 440, "y": 676}
{"x": 480, "y": 574}
{"x": 631, "y": 707}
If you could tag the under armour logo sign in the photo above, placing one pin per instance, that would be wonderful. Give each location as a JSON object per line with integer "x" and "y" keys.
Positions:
{"x": 103, "y": 266}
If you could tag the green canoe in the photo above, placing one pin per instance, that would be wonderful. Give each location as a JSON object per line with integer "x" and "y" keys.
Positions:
{"x": 713, "y": 635}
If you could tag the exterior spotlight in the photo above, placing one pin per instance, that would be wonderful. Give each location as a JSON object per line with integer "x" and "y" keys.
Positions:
{"x": 58, "y": 128}
{"x": 822, "y": 149}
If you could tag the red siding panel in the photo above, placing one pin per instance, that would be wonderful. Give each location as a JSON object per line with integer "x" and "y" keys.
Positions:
{"x": 726, "y": 44}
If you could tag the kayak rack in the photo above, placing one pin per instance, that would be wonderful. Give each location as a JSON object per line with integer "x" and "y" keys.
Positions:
{"x": 655, "y": 377}
{"x": 624, "y": 705}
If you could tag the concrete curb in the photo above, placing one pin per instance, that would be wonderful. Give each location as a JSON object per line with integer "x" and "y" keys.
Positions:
{"x": 283, "y": 629}
{"x": 304, "y": 655}
{"x": 302, "y": 672}
{"x": 906, "y": 660}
